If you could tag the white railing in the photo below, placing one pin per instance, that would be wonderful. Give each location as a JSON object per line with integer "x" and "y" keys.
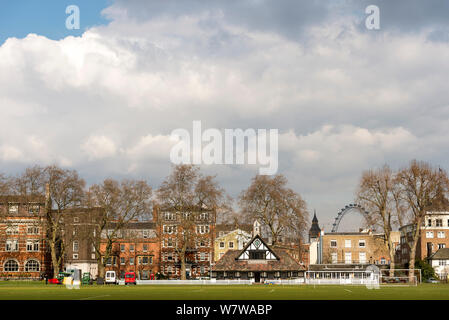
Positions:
{"x": 285, "y": 281}
{"x": 193, "y": 282}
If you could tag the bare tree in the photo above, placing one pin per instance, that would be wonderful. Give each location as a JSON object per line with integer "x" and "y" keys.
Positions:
{"x": 376, "y": 192}
{"x": 5, "y": 188}
{"x": 62, "y": 189}
{"x": 277, "y": 207}
{"x": 193, "y": 200}
{"x": 421, "y": 187}
{"x": 65, "y": 190}
{"x": 120, "y": 203}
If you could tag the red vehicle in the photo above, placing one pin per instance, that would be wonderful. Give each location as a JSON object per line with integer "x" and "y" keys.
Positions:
{"x": 130, "y": 278}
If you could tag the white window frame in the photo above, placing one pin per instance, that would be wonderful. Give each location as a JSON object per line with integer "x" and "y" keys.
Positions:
{"x": 348, "y": 243}
{"x": 75, "y": 246}
{"x": 429, "y": 234}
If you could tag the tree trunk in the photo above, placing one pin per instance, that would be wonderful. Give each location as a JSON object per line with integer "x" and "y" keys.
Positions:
{"x": 392, "y": 261}
{"x": 411, "y": 264}
{"x": 101, "y": 270}
{"x": 54, "y": 259}
{"x": 183, "y": 265}
{"x": 392, "y": 255}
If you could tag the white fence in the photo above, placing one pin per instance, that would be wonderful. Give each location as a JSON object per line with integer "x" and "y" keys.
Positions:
{"x": 285, "y": 281}
{"x": 342, "y": 277}
{"x": 190, "y": 282}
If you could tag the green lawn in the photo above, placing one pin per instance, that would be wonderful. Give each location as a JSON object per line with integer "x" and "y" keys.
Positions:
{"x": 17, "y": 290}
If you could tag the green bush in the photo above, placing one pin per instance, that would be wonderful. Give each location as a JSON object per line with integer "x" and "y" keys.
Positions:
{"x": 427, "y": 271}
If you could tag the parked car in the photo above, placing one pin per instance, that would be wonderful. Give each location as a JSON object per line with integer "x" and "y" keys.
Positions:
{"x": 432, "y": 280}
{"x": 130, "y": 278}
{"x": 111, "y": 277}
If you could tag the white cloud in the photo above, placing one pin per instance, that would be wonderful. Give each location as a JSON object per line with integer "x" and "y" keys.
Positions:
{"x": 98, "y": 147}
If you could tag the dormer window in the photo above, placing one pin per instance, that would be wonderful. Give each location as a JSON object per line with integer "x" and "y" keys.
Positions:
{"x": 13, "y": 208}
{"x": 33, "y": 209}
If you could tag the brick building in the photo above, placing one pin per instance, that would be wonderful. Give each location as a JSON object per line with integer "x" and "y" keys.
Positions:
{"x": 23, "y": 250}
{"x": 136, "y": 249}
{"x": 434, "y": 235}
{"x": 199, "y": 244}
{"x": 364, "y": 247}
{"x": 80, "y": 226}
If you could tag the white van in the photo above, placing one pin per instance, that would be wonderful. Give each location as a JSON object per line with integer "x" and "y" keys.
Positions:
{"x": 111, "y": 277}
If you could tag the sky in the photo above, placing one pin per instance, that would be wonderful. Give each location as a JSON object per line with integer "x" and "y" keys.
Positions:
{"x": 104, "y": 99}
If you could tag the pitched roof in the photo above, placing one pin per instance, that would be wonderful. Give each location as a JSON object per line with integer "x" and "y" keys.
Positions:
{"x": 441, "y": 254}
{"x": 229, "y": 263}
{"x": 233, "y": 226}
{"x": 22, "y": 199}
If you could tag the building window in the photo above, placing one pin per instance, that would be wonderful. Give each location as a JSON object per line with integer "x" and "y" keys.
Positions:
{"x": 13, "y": 209}
{"x": 429, "y": 222}
{"x": 32, "y": 266}
{"x": 362, "y": 243}
{"x": 169, "y": 229}
{"x": 383, "y": 261}
{"x": 146, "y": 234}
{"x": 441, "y": 245}
{"x": 347, "y": 243}
{"x": 131, "y": 261}
{"x": 11, "y": 266}
{"x": 362, "y": 257}
{"x": 221, "y": 254}
{"x": 442, "y": 262}
{"x": 202, "y": 229}
{"x": 32, "y": 245}
{"x": 33, "y": 209}
{"x": 122, "y": 248}
{"x": 75, "y": 246}
{"x": 145, "y": 248}
{"x": 348, "y": 257}
{"x": 76, "y": 219}
{"x": 169, "y": 216}
{"x": 439, "y": 222}
{"x": 12, "y": 230}
{"x": 33, "y": 230}
{"x": 441, "y": 234}
{"x": 12, "y": 245}
{"x": 131, "y": 248}
{"x": 202, "y": 256}
{"x": 92, "y": 256}
{"x": 204, "y": 216}
{"x": 333, "y": 243}
{"x": 222, "y": 245}
{"x": 231, "y": 244}
{"x": 429, "y": 234}
{"x": 143, "y": 260}
{"x": 334, "y": 257}
{"x": 75, "y": 256}
{"x": 122, "y": 260}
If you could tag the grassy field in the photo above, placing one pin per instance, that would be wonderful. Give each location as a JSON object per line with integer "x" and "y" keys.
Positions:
{"x": 40, "y": 291}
